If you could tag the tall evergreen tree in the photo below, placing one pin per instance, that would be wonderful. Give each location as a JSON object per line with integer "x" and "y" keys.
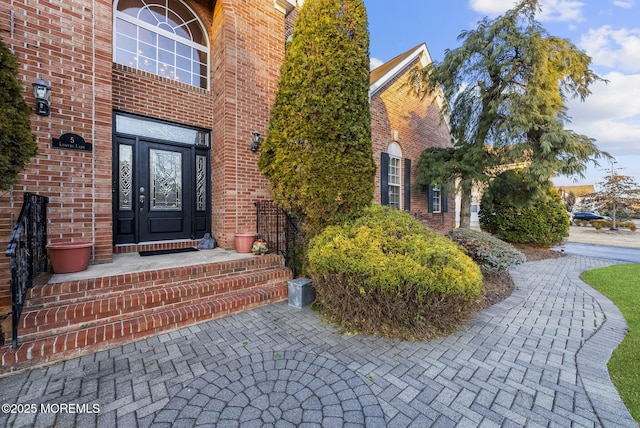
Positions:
{"x": 318, "y": 155}
{"x": 507, "y": 87}
{"x": 17, "y": 142}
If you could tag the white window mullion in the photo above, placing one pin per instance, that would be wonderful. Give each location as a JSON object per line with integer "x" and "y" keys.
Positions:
{"x": 395, "y": 175}
{"x": 193, "y": 76}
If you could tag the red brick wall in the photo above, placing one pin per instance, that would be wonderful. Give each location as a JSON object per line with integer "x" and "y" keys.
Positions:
{"x": 248, "y": 49}
{"x": 418, "y": 127}
{"x": 67, "y": 44}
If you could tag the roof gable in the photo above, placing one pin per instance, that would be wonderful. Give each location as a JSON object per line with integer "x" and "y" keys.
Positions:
{"x": 383, "y": 74}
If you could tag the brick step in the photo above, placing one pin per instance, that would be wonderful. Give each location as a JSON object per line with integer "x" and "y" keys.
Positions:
{"x": 75, "y": 342}
{"x": 87, "y": 289}
{"x": 123, "y": 288}
{"x": 49, "y": 319}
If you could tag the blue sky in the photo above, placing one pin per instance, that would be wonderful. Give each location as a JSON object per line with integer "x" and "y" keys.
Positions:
{"x": 607, "y": 30}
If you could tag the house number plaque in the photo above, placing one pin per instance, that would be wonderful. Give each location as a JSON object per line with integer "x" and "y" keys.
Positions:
{"x": 71, "y": 141}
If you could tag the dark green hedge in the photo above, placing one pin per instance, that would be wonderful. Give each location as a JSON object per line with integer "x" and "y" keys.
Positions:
{"x": 522, "y": 212}
{"x": 318, "y": 155}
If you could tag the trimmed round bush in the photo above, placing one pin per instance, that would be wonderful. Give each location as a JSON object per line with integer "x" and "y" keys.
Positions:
{"x": 607, "y": 224}
{"x": 599, "y": 224}
{"x": 385, "y": 273}
{"x": 523, "y": 212}
{"x": 487, "y": 251}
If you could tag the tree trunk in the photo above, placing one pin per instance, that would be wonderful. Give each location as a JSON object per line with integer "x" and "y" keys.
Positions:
{"x": 465, "y": 204}
{"x": 613, "y": 216}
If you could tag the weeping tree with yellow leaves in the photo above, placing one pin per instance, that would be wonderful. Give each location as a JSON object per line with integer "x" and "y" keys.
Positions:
{"x": 506, "y": 88}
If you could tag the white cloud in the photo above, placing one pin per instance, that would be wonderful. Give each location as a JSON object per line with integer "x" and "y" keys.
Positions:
{"x": 491, "y": 7}
{"x": 552, "y": 10}
{"x": 561, "y": 10}
{"x": 624, "y": 4}
{"x": 618, "y": 49}
{"x": 375, "y": 63}
{"x": 611, "y": 114}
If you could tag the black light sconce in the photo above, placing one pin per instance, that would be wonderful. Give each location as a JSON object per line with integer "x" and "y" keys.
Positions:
{"x": 255, "y": 145}
{"x": 42, "y": 92}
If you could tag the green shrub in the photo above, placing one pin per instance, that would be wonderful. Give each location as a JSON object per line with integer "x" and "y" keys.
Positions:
{"x": 488, "y": 252}
{"x": 17, "y": 142}
{"x": 607, "y": 224}
{"x": 318, "y": 155}
{"x": 385, "y": 273}
{"x": 506, "y": 212}
{"x": 599, "y": 224}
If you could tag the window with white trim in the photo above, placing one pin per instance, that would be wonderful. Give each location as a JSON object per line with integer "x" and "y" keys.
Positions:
{"x": 436, "y": 199}
{"x": 163, "y": 37}
{"x": 395, "y": 175}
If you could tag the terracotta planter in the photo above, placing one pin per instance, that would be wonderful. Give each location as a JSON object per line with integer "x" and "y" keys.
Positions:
{"x": 69, "y": 257}
{"x": 244, "y": 242}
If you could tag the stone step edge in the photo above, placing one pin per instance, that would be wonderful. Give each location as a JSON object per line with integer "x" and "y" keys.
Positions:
{"x": 192, "y": 272}
{"x": 34, "y": 303}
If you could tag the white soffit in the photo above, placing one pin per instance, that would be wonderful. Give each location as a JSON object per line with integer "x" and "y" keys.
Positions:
{"x": 421, "y": 52}
{"x": 285, "y": 6}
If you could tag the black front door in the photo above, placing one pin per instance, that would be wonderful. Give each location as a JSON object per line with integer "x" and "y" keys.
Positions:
{"x": 160, "y": 190}
{"x": 165, "y": 196}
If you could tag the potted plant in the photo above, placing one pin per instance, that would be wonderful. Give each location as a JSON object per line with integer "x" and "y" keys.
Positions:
{"x": 259, "y": 247}
{"x": 244, "y": 241}
{"x": 69, "y": 257}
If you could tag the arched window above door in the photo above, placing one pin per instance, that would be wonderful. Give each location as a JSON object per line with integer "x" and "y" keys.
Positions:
{"x": 163, "y": 37}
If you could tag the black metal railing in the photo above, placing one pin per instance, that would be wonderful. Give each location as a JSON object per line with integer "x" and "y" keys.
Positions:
{"x": 28, "y": 253}
{"x": 283, "y": 233}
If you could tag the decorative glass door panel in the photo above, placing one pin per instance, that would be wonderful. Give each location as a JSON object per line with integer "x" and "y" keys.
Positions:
{"x": 125, "y": 178}
{"x": 165, "y": 173}
{"x": 165, "y": 196}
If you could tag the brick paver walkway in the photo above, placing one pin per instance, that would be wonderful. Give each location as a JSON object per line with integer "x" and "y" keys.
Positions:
{"x": 537, "y": 359}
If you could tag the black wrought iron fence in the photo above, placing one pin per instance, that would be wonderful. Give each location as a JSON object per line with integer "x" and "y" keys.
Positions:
{"x": 28, "y": 253}
{"x": 283, "y": 233}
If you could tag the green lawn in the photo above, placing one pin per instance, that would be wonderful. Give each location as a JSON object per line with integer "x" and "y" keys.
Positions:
{"x": 621, "y": 284}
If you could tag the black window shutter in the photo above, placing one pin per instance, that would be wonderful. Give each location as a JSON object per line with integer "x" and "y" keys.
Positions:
{"x": 430, "y": 199}
{"x": 445, "y": 202}
{"x": 384, "y": 179}
{"x": 407, "y": 185}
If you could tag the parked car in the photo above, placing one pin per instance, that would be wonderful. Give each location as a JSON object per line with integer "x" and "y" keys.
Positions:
{"x": 589, "y": 216}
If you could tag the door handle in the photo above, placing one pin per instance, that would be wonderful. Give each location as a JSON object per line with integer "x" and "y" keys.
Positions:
{"x": 141, "y": 199}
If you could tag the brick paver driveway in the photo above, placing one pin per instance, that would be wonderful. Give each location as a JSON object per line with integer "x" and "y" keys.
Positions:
{"x": 536, "y": 359}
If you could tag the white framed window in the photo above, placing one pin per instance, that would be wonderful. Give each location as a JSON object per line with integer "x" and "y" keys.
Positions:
{"x": 436, "y": 199}
{"x": 163, "y": 37}
{"x": 395, "y": 175}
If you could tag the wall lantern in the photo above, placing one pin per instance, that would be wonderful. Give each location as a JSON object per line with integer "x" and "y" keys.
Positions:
{"x": 42, "y": 92}
{"x": 255, "y": 145}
